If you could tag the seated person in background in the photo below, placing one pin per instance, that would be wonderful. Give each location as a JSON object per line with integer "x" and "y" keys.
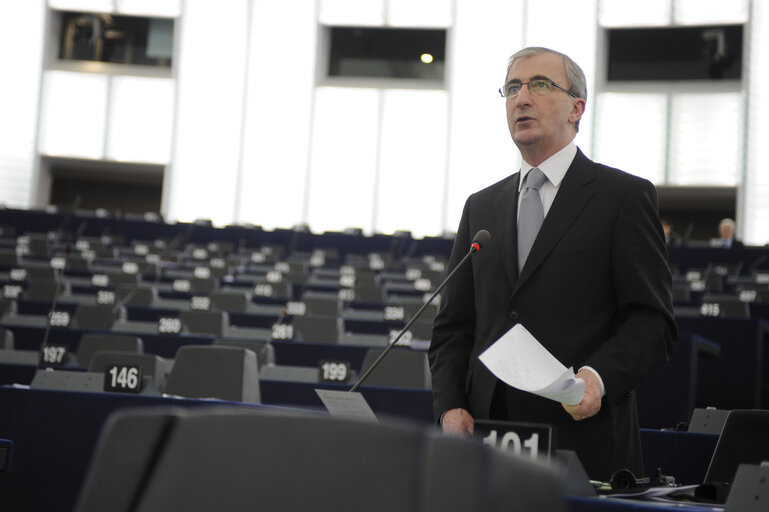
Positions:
{"x": 726, "y": 229}
{"x": 671, "y": 237}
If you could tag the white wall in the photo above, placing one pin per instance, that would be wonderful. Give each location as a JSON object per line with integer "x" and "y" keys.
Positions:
{"x": 21, "y": 54}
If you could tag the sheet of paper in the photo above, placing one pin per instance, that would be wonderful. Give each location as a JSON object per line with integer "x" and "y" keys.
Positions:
{"x": 344, "y": 404}
{"x": 520, "y": 361}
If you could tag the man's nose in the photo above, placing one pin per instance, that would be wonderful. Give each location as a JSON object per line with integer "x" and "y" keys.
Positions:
{"x": 523, "y": 98}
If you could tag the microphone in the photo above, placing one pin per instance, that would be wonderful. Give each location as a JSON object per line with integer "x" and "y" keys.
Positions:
{"x": 481, "y": 238}
{"x": 753, "y": 266}
{"x": 687, "y": 234}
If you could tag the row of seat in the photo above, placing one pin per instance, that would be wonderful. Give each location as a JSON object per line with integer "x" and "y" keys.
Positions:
{"x": 227, "y": 369}
{"x": 716, "y": 279}
{"x": 298, "y": 321}
{"x": 235, "y": 310}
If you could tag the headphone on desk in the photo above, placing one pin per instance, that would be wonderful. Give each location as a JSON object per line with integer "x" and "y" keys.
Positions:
{"x": 624, "y": 479}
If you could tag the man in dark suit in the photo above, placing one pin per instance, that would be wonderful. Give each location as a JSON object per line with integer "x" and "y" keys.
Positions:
{"x": 594, "y": 289}
{"x": 726, "y": 231}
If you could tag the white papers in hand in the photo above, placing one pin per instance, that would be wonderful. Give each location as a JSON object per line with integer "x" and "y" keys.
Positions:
{"x": 520, "y": 361}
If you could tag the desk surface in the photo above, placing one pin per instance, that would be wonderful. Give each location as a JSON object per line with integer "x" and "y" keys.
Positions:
{"x": 601, "y": 504}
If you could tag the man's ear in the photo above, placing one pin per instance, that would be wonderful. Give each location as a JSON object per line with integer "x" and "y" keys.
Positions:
{"x": 577, "y": 110}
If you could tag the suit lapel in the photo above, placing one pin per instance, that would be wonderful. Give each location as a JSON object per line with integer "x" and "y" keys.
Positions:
{"x": 573, "y": 194}
{"x": 505, "y": 208}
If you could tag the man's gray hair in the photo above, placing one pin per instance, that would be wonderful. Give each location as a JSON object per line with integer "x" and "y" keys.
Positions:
{"x": 727, "y": 222}
{"x": 577, "y": 83}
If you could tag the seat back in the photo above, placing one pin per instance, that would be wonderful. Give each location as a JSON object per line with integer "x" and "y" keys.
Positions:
{"x": 97, "y": 316}
{"x": 743, "y": 440}
{"x": 265, "y": 351}
{"x": 78, "y": 264}
{"x": 7, "y": 307}
{"x": 203, "y": 285}
{"x": 40, "y": 272}
{"x": 321, "y": 306}
{"x": 125, "y": 451}
{"x": 368, "y": 293}
{"x": 412, "y": 307}
{"x": 399, "y": 368}
{"x": 92, "y": 343}
{"x": 118, "y": 278}
{"x": 230, "y": 301}
{"x": 422, "y": 329}
{"x": 134, "y": 295}
{"x": 226, "y": 373}
{"x": 6, "y": 339}
{"x": 8, "y": 259}
{"x": 276, "y": 462}
{"x": 319, "y": 329}
{"x": 205, "y": 322}
{"x": 44, "y": 289}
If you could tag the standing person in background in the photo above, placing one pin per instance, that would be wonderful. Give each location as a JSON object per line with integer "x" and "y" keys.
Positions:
{"x": 592, "y": 284}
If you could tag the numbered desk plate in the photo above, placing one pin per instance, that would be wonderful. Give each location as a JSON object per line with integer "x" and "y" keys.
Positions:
{"x": 334, "y": 371}
{"x": 169, "y": 325}
{"x": 530, "y": 440}
{"x": 123, "y": 378}
{"x": 54, "y": 355}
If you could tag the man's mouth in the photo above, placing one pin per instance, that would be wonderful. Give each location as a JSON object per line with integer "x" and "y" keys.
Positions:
{"x": 523, "y": 119}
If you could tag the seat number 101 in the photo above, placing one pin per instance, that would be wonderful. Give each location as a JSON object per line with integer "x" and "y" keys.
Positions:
{"x": 511, "y": 441}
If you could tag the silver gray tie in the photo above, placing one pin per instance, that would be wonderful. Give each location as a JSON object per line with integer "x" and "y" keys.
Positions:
{"x": 530, "y": 215}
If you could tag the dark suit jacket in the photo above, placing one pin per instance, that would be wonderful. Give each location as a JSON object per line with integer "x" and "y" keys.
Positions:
{"x": 595, "y": 290}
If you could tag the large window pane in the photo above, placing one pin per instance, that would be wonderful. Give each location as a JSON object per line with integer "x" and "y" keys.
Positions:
{"x": 692, "y": 12}
{"x": 419, "y": 13}
{"x": 635, "y": 145}
{"x": 82, "y": 5}
{"x": 352, "y": 12}
{"x": 141, "y": 112}
{"x": 706, "y": 139}
{"x": 344, "y": 159}
{"x": 619, "y": 13}
{"x": 136, "y": 40}
{"x": 413, "y": 164}
{"x": 74, "y": 108}
{"x": 170, "y": 8}
{"x": 373, "y": 52}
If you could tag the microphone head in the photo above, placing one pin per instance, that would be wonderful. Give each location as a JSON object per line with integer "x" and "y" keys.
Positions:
{"x": 481, "y": 238}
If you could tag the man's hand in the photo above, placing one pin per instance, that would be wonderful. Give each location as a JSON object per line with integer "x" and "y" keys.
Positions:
{"x": 457, "y": 421}
{"x": 591, "y": 400}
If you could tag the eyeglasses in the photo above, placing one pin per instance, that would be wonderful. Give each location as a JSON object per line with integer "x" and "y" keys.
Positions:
{"x": 538, "y": 86}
